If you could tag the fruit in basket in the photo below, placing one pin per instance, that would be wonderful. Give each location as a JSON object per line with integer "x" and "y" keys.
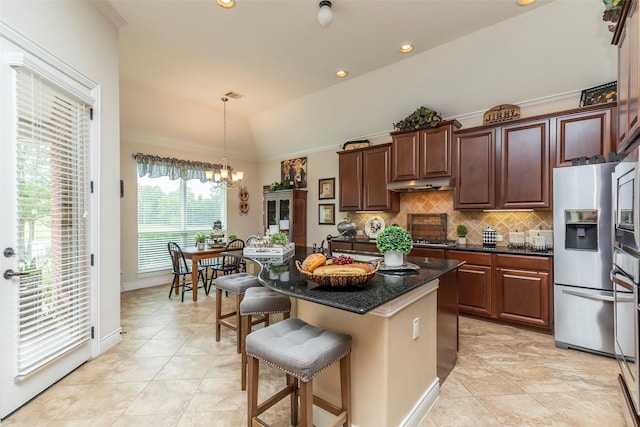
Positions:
{"x": 342, "y": 260}
{"x": 313, "y": 261}
{"x": 343, "y": 270}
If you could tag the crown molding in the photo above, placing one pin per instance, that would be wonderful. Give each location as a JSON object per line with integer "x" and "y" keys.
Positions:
{"x": 110, "y": 12}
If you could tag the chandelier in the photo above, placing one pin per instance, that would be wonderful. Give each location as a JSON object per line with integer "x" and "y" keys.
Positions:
{"x": 226, "y": 177}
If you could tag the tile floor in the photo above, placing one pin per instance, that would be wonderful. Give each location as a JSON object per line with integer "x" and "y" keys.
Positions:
{"x": 169, "y": 371}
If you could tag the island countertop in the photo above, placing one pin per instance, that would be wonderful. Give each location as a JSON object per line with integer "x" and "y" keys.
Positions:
{"x": 379, "y": 290}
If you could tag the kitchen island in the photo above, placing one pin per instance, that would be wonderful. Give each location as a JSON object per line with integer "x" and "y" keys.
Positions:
{"x": 393, "y": 321}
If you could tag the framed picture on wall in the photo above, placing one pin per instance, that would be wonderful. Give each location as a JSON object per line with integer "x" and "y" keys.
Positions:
{"x": 327, "y": 214}
{"x": 327, "y": 188}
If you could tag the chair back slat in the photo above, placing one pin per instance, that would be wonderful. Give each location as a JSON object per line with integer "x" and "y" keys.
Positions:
{"x": 178, "y": 260}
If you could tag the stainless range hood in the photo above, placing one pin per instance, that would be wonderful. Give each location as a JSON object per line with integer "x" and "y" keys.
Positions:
{"x": 431, "y": 184}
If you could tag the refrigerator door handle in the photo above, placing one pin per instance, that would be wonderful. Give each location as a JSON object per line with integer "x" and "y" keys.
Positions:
{"x": 618, "y": 277}
{"x": 591, "y": 295}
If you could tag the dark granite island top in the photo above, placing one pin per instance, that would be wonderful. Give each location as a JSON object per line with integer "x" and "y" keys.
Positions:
{"x": 379, "y": 290}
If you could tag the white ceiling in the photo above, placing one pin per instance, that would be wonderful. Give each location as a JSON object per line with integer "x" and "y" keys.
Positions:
{"x": 274, "y": 51}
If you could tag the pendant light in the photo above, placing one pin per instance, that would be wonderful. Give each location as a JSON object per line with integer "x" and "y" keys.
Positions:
{"x": 226, "y": 177}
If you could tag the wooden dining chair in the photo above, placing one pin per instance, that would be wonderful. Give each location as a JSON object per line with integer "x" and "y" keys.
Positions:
{"x": 182, "y": 269}
{"x": 226, "y": 264}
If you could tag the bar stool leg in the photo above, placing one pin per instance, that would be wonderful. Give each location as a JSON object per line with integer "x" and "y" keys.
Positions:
{"x": 246, "y": 327}
{"x": 218, "y": 312}
{"x": 252, "y": 395}
{"x": 239, "y": 298}
{"x": 306, "y": 403}
{"x": 293, "y": 381}
{"x": 345, "y": 387}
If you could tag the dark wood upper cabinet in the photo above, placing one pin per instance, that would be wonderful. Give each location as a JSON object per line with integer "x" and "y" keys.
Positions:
{"x": 475, "y": 170}
{"x": 363, "y": 178}
{"x": 350, "y": 180}
{"x": 584, "y": 134}
{"x": 524, "y": 178}
{"x": 423, "y": 153}
{"x": 626, "y": 37}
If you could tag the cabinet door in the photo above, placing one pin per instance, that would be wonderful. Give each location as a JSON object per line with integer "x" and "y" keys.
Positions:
{"x": 634, "y": 88}
{"x": 475, "y": 170}
{"x": 365, "y": 247}
{"x": 623, "y": 92}
{"x": 405, "y": 150}
{"x": 299, "y": 217}
{"x": 271, "y": 212}
{"x": 524, "y": 178}
{"x": 474, "y": 289}
{"x": 524, "y": 296}
{"x": 435, "y": 152}
{"x": 376, "y": 168}
{"x": 350, "y": 181}
{"x": 583, "y": 135}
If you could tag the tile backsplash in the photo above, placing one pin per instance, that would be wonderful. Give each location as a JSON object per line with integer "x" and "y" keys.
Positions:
{"x": 476, "y": 221}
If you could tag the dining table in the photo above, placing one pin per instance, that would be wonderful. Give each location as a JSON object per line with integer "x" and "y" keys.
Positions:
{"x": 195, "y": 255}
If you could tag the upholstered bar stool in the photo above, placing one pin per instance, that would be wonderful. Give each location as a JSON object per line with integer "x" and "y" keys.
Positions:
{"x": 259, "y": 301}
{"x": 235, "y": 284}
{"x": 301, "y": 350}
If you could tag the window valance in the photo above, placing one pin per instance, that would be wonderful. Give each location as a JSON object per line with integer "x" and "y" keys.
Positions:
{"x": 157, "y": 166}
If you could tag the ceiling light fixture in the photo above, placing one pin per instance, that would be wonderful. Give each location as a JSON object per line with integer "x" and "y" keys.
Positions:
{"x": 342, "y": 73}
{"x": 406, "y": 48}
{"x": 525, "y": 2}
{"x": 325, "y": 15}
{"x": 225, "y": 178}
{"x": 227, "y": 4}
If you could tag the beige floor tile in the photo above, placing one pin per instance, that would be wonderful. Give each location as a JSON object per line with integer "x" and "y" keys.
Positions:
{"x": 158, "y": 420}
{"x": 103, "y": 401}
{"x": 518, "y": 411}
{"x": 461, "y": 412}
{"x": 163, "y": 397}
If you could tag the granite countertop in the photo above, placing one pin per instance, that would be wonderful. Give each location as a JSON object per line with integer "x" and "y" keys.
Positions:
{"x": 380, "y": 289}
{"x": 472, "y": 248}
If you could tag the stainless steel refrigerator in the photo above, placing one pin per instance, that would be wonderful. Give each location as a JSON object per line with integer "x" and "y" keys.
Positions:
{"x": 582, "y": 258}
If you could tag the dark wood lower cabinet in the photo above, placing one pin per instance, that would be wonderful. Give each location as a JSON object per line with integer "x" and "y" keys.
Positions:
{"x": 513, "y": 289}
{"x": 474, "y": 282}
{"x": 447, "y": 329}
{"x": 524, "y": 290}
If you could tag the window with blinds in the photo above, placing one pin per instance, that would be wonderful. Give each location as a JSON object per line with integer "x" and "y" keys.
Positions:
{"x": 53, "y": 137}
{"x": 173, "y": 211}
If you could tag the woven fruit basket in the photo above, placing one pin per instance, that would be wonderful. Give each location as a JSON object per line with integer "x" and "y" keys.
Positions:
{"x": 338, "y": 279}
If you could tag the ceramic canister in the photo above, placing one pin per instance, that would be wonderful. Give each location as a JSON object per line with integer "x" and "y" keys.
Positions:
{"x": 489, "y": 237}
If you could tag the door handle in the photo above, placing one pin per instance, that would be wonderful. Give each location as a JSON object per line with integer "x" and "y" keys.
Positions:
{"x": 588, "y": 295}
{"x": 10, "y": 274}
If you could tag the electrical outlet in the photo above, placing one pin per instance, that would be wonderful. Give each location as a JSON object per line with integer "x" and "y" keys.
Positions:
{"x": 498, "y": 237}
{"x": 416, "y": 328}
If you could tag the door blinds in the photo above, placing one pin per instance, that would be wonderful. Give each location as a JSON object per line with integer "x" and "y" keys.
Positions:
{"x": 52, "y": 181}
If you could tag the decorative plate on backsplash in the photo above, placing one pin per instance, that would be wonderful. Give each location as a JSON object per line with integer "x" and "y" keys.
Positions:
{"x": 374, "y": 226}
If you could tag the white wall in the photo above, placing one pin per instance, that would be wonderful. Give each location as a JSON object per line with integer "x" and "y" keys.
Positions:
{"x": 561, "y": 47}
{"x": 78, "y": 34}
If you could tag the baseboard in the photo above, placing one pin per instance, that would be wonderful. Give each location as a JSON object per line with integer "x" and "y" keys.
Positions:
{"x": 422, "y": 407}
{"x": 147, "y": 282}
{"x": 110, "y": 340}
{"x": 322, "y": 418}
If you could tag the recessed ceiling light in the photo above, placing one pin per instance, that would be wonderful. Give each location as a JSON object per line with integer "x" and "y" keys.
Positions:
{"x": 342, "y": 73}
{"x": 227, "y": 4}
{"x": 406, "y": 48}
{"x": 525, "y": 2}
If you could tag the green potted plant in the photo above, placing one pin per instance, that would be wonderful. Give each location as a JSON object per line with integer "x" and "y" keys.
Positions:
{"x": 421, "y": 117}
{"x": 278, "y": 239}
{"x": 461, "y": 230}
{"x": 201, "y": 237}
{"x": 394, "y": 242}
{"x": 232, "y": 236}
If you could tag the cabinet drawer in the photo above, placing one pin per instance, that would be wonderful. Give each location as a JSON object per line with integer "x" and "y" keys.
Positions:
{"x": 527, "y": 262}
{"x": 341, "y": 245}
{"x": 429, "y": 253}
{"x": 471, "y": 257}
{"x": 365, "y": 247}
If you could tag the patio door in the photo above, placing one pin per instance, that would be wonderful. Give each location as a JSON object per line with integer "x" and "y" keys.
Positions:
{"x": 45, "y": 292}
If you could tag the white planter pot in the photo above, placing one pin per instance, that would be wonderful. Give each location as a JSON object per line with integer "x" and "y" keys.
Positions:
{"x": 393, "y": 259}
{"x": 462, "y": 240}
{"x": 200, "y": 246}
